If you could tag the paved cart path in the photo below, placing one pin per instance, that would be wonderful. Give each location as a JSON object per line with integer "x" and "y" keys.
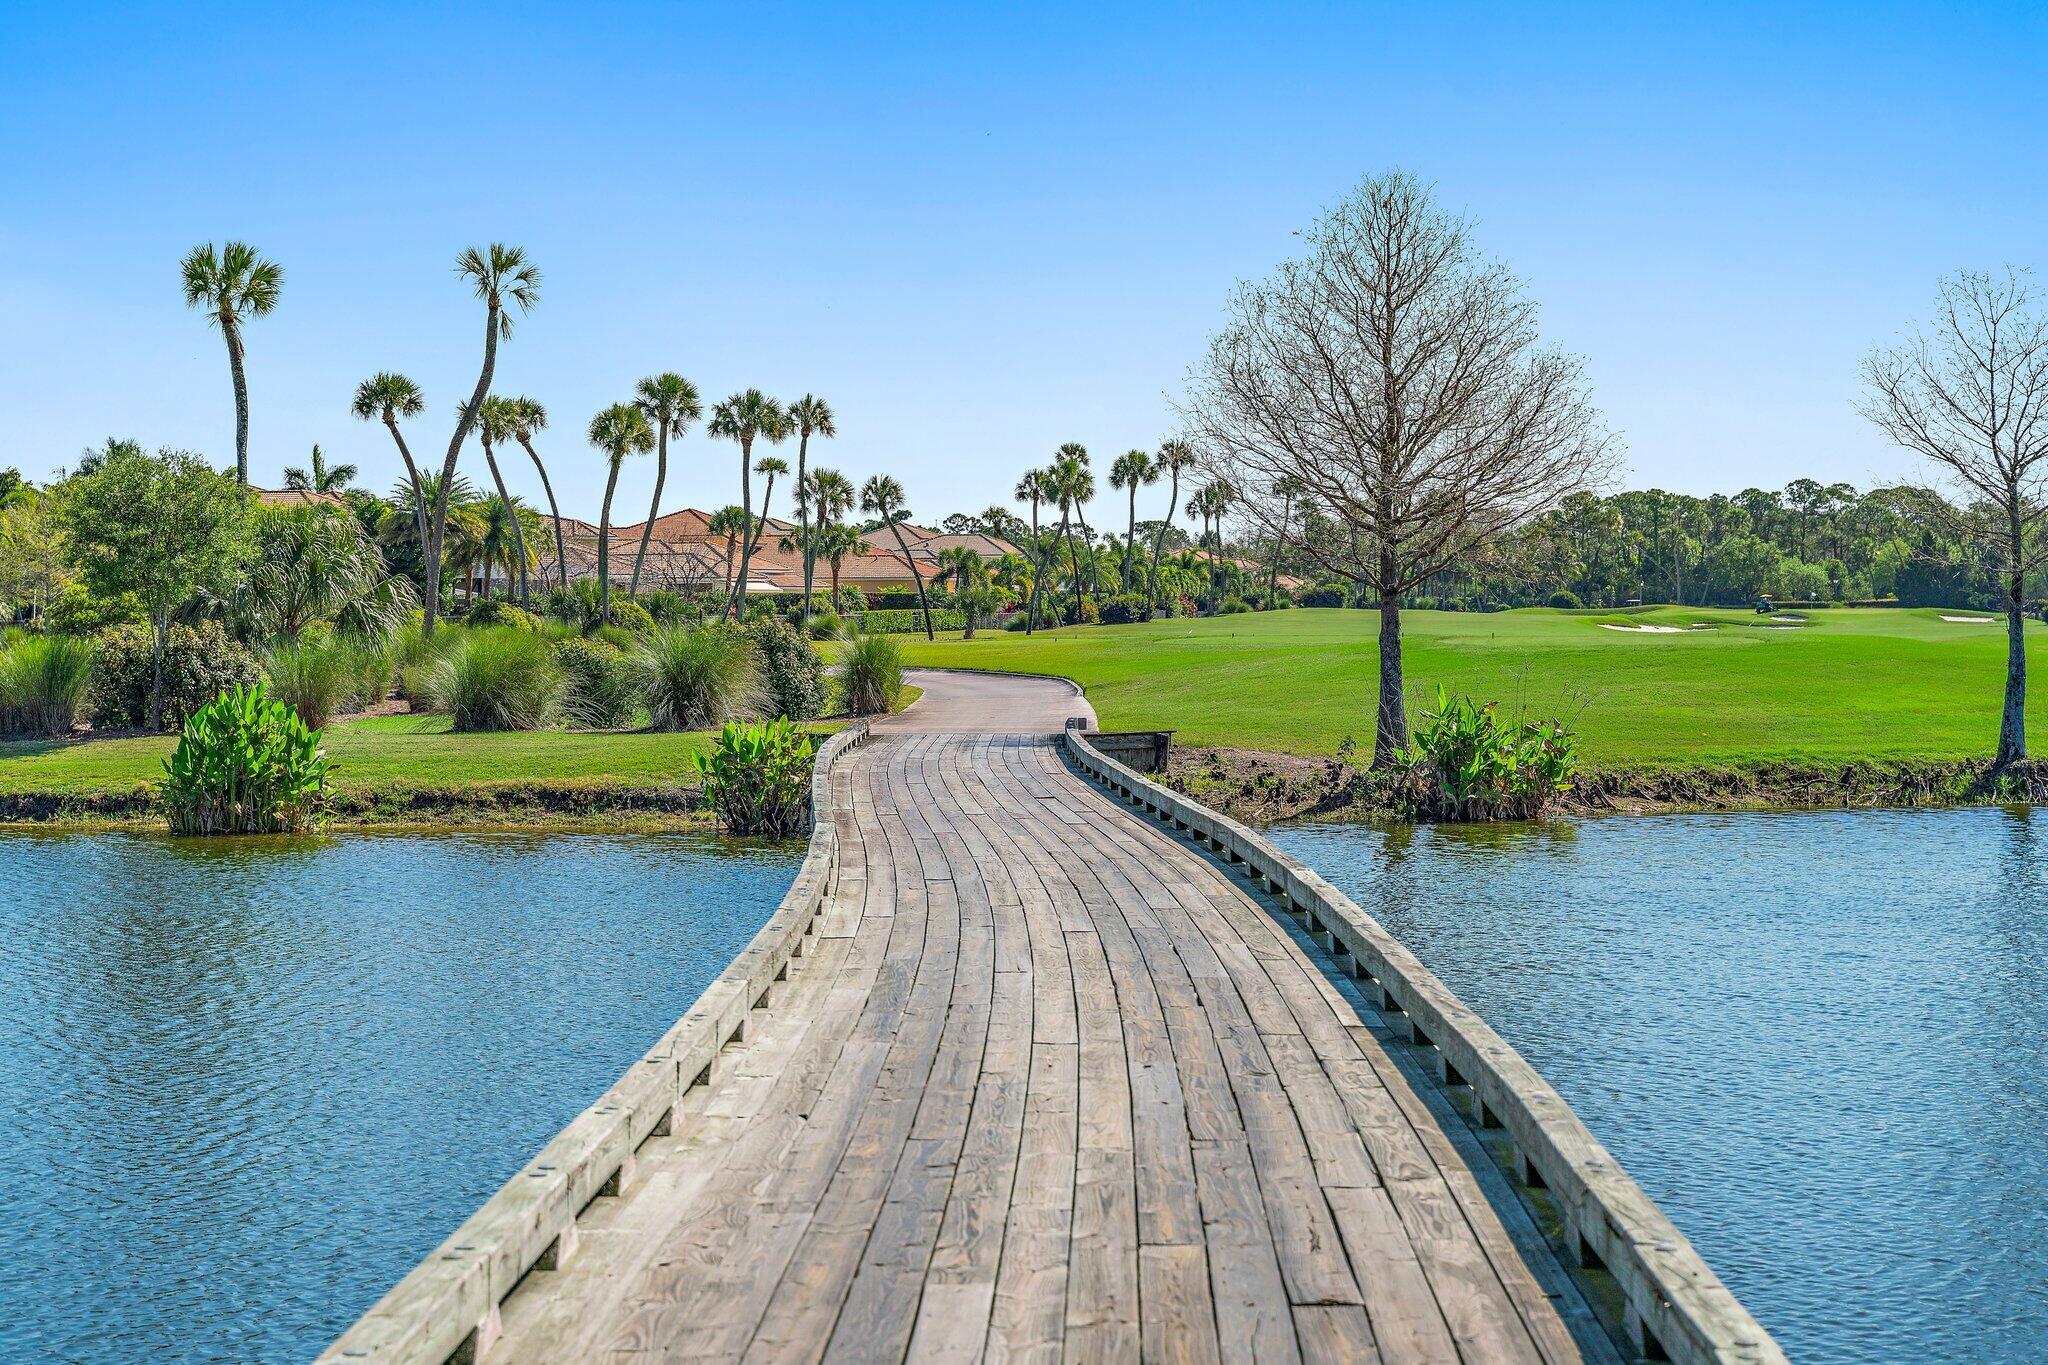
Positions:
{"x": 1047, "y": 1083}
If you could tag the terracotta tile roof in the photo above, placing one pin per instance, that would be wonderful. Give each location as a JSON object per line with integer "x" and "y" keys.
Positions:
{"x": 297, "y": 497}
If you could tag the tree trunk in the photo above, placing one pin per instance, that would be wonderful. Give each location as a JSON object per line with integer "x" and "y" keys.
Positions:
{"x": 1273, "y": 575}
{"x": 439, "y": 529}
{"x": 653, "y": 508}
{"x": 1391, "y": 735}
{"x": 412, "y": 474}
{"x": 835, "y": 585}
{"x": 604, "y": 546}
{"x": 2012, "y": 724}
{"x": 1074, "y": 563}
{"x": 1037, "y": 573}
{"x": 512, "y": 515}
{"x": 803, "y": 519}
{"x": 1159, "y": 544}
{"x": 1130, "y": 537}
{"x": 555, "y": 511}
{"x": 739, "y": 587}
{"x": 915, "y": 577}
{"x": 233, "y": 332}
{"x": 767, "y": 500}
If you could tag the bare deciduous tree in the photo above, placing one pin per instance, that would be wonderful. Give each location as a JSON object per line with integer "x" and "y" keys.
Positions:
{"x": 1393, "y": 379}
{"x": 1972, "y": 396}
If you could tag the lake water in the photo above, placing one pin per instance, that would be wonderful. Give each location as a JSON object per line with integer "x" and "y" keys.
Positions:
{"x": 246, "y": 1084}
{"x": 1818, "y": 1040}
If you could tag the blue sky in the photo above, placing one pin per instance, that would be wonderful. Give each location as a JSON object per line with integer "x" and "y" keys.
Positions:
{"x": 980, "y": 232}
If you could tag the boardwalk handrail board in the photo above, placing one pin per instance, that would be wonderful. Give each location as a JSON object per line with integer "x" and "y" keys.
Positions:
{"x": 1676, "y": 1307}
{"x": 447, "y": 1306}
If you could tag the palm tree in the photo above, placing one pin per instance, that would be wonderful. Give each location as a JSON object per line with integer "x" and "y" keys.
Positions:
{"x": 402, "y": 530}
{"x": 620, "y": 430}
{"x": 502, "y": 539}
{"x": 1074, "y": 483}
{"x": 730, "y": 522}
{"x": 230, "y": 285}
{"x": 495, "y": 424}
{"x": 385, "y": 397}
{"x": 1035, "y": 488}
{"x": 881, "y": 497}
{"x": 835, "y": 544}
{"x": 811, "y": 416}
{"x": 528, "y": 416}
{"x": 670, "y": 402}
{"x": 1132, "y": 468}
{"x": 831, "y": 498}
{"x": 1174, "y": 456}
{"x": 768, "y": 466}
{"x": 503, "y": 279}
{"x": 325, "y": 478}
{"x": 972, "y": 590}
{"x": 1011, "y": 573}
{"x": 745, "y": 417}
{"x": 1210, "y": 502}
{"x": 1289, "y": 488}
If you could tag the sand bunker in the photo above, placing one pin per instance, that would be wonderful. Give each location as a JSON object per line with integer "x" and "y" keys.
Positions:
{"x": 1654, "y": 630}
{"x": 1972, "y": 620}
{"x": 1788, "y": 618}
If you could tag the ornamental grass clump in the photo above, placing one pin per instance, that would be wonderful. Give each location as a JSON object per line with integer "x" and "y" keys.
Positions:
{"x": 503, "y": 678}
{"x": 871, "y": 674}
{"x": 692, "y": 678}
{"x": 44, "y": 683}
{"x": 246, "y": 764}
{"x": 601, "y": 692}
{"x": 1469, "y": 764}
{"x": 758, "y": 779}
{"x": 316, "y": 678}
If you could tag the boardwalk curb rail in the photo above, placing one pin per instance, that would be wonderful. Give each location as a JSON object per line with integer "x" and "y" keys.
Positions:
{"x": 446, "y": 1308}
{"x": 1675, "y": 1307}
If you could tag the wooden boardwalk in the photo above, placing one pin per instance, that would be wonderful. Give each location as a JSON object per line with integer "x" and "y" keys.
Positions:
{"x": 1049, "y": 1085}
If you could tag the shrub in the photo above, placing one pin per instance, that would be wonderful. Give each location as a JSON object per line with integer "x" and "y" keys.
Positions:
{"x": 369, "y": 667}
{"x": 1564, "y": 601}
{"x": 693, "y": 677}
{"x": 852, "y": 600}
{"x": 1233, "y": 606}
{"x": 1016, "y": 621}
{"x": 665, "y": 606}
{"x": 414, "y": 656}
{"x": 871, "y": 675}
{"x": 316, "y": 678}
{"x": 77, "y": 610}
{"x": 823, "y": 627}
{"x": 44, "y": 683}
{"x": 496, "y": 611}
{"x": 1124, "y": 609}
{"x": 1085, "y": 613}
{"x": 630, "y": 615}
{"x": 245, "y": 764}
{"x": 199, "y": 663}
{"x": 497, "y": 679}
{"x": 1324, "y": 595}
{"x": 1470, "y": 764}
{"x": 599, "y": 691}
{"x": 906, "y": 622}
{"x": 792, "y": 674}
{"x": 758, "y": 779}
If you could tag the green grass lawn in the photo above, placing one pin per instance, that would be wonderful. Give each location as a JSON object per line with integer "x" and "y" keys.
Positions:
{"x": 1869, "y": 683}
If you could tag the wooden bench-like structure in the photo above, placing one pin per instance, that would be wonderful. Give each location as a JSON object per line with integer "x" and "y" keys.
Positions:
{"x": 1020, "y": 1072}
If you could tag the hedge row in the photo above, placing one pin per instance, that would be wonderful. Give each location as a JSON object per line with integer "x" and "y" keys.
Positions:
{"x": 906, "y": 622}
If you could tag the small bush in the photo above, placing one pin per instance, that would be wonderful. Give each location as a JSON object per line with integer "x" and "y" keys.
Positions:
{"x": 1124, "y": 609}
{"x": 823, "y": 627}
{"x": 1233, "y": 606}
{"x": 792, "y": 674}
{"x": 1016, "y": 621}
{"x": 200, "y": 662}
{"x": 630, "y": 615}
{"x": 907, "y": 622}
{"x": 1323, "y": 595}
{"x": 665, "y": 606}
{"x": 316, "y": 678}
{"x": 414, "y": 656}
{"x": 1469, "y": 764}
{"x": 496, "y": 611}
{"x": 600, "y": 691}
{"x": 871, "y": 675}
{"x": 44, "y": 683}
{"x": 1564, "y": 601}
{"x": 694, "y": 677}
{"x": 497, "y": 679}
{"x": 245, "y": 764}
{"x": 1085, "y": 613}
{"x": 758, "y": 779}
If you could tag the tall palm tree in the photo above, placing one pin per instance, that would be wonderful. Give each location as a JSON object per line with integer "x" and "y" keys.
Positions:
{"x": 811, "y": 416}
{"x": 837, "y": 542}
{"x": 502, "y": 539}
{"x": 1131, "y": 469}
{"x": 832, "y": 497}
{"x": 1289, "y": 488}
{"x": 1074, "y": 484}
{"x": 881, "y": 497}
{"x": 768, "y": 466}
{"x": 385, "y": 397}
{"x": 671, "y": 404}
{"x": 325, "y": 478}
{"x": 1174, "y": 456}
{"x": 402, "y": 530}
{"x": 745, "y": 418}
{"x": 1211, "y": 502}
{"x": 495, "y": 424}
{"x": 1035, "y": 488}
{"x": 968, "y": 572}
{"x": 232, "y": 284}
{"x": 505, "y": 280}
{"x": 528, "y": 416}
{"x": 731, "y": 523}
{"x": 620, "y": 430}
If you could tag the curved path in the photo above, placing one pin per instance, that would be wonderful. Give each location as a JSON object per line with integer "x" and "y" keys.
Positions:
{"x": 1049, "y": 1084}
{"x": 959, "y": 702}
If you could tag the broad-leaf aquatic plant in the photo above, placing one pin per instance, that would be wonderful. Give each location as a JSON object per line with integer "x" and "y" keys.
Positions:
{"x": 246, "y": 764}
{"x": 758, "y": 778}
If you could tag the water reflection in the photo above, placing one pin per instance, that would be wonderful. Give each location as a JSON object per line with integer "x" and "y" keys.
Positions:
{"x": 245, "y": 1084}
{"x": 1816, "y": 1039}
